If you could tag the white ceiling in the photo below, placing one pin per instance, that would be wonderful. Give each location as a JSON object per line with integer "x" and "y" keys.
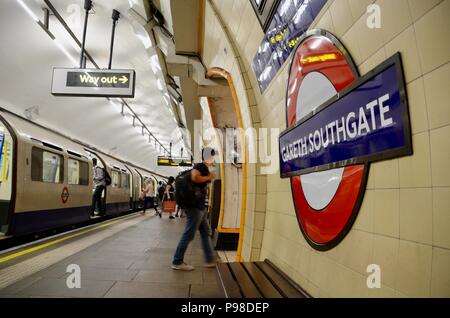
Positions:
{"x": 28, "y": 55}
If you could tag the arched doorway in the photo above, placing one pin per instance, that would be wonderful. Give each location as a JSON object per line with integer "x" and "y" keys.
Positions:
{"x": 226, "y": 114}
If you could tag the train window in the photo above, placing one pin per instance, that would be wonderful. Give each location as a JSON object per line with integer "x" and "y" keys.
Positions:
{"x": 115, "y": 178}
{"x": 78, "y": 172}
{"x": 46, "y": 166}
{"x": 125, "y": 181}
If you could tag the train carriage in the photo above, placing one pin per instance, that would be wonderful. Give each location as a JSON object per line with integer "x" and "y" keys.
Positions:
{"x": 46, "y": 179}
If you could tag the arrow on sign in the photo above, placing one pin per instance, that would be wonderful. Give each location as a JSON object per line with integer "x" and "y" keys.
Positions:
{"x": 123, "y": 79}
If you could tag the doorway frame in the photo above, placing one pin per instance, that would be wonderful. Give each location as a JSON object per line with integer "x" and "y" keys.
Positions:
{"x": 219, "y": 72}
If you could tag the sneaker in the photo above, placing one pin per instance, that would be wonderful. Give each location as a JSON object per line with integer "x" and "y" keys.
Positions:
{"x": 171, "y": 217}
{"x": 160, "y": 214}
{"x": 183, "y": 267}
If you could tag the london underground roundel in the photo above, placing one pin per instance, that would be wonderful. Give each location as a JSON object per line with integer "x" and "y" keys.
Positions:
{"x": 326, "y": 202}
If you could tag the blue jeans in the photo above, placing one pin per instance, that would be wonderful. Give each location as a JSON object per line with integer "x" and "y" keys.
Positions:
{"x": 196, "y": 220}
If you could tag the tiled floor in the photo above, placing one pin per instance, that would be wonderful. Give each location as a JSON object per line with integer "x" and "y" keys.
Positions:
{"x": 132, "y": 263}
{"x": 227, "y": 256}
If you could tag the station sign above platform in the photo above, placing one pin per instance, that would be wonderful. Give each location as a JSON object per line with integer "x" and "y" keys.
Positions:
{"x": 174, "y": 162}
{"x": 93, "y": 82}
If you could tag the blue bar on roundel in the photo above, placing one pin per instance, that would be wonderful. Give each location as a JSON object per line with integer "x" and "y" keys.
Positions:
{"x": 368, "y": 122}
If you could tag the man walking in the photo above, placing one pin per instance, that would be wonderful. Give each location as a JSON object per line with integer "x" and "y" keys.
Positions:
{"x": 202, "y": 174}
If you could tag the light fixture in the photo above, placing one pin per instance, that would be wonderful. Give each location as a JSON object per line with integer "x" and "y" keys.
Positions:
{"x": 159, "y": 84}
{"x": 145, "y": 41}
{"x": 28, "y": 10}
{"x": 154, "y": 64}
{"x": 67, "y": 54}
{"x": 35, "y": 18}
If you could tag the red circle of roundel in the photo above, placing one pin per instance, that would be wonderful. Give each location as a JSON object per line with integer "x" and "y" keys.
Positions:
{"x": 65, "y": 195}
{"x": 321, "y": 52}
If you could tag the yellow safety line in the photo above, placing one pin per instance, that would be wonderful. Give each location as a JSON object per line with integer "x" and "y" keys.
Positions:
{"x": 39, "y": 247}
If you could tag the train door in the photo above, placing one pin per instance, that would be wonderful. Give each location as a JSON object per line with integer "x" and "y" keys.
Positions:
{"x": 6, "y": 173}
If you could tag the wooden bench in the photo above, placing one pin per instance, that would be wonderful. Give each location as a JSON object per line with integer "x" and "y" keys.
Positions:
{"x": 256, "y": 280}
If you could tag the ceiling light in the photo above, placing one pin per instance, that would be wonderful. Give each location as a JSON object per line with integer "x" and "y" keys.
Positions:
{"x": 166, "y": 99}
{"x": 159, "y": 84}
{"x": 145, "y": 40}
{"x": 155, "y": 64}
{"x": 69, "y": 56}
{"x": 28, "y": 10}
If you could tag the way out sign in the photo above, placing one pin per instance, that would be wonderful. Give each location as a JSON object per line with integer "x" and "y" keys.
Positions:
{"x": 93, "y": 82}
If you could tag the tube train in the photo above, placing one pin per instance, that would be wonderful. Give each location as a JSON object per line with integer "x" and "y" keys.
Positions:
{"x": 46, "y": 179}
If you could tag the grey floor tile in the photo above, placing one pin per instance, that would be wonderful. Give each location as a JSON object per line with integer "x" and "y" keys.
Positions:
{"x": 161, "y": 250}
{"x": 113, "y": 263}
{"x": 19, "y": 286}
{"x": 209, "y": 277}
{"x": 58, "y": 287}
{"x": 205, "y": 291}
{"x": 131, "y": 255}
{"x": 107, "y": 274}
{"x": 170, "y": 276}
{"x": 150, "y": 264}
{"x": 132, "y": 263}
{"x": 148, "y": 290}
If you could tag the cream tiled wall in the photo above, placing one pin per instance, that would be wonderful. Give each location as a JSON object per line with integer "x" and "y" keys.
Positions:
{"x": 404, "y": 221}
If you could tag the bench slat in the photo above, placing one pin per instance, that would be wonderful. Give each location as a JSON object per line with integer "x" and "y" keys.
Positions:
{"x": 226, "y": 281}
{"x": 283, "y": 286}
{"x": 265, "y": 286}
{"x": 247, "y": 286}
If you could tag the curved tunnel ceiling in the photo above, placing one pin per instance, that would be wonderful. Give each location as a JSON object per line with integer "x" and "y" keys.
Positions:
{"x": 28, "y": 55}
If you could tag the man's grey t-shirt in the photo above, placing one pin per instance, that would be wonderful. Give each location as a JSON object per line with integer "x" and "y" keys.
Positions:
{"x": 99, "y": 176}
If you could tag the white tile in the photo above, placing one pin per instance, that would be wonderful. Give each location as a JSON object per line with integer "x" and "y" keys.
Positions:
{"x": 437, "y": 96}
{"x": 414, "y": 269}
{"x": 440, "y": 156}
{"x": 416, "y": 215}
{"x": 432, "y": 37}
{"x": 441, "y": 217}
{"x": 440, "y": 278}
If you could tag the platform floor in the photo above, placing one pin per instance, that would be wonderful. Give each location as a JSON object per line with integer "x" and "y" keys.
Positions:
{"x": 134, "y": 262}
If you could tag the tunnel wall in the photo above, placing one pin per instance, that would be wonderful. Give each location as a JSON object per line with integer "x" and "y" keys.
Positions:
{"x": 403, "y": 224}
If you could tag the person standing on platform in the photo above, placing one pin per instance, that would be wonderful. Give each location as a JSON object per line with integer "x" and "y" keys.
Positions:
{"x": 169, "y": 193}
{"x": 149, "y": 197}
{"x": 161, "y": 189}
{"x": 99, "y": 184}
{"x": 200, "y": 175}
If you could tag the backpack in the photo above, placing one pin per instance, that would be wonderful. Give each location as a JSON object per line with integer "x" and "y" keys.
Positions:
{"x": 187, "y": 194}
{"x": 107, "y": 177}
